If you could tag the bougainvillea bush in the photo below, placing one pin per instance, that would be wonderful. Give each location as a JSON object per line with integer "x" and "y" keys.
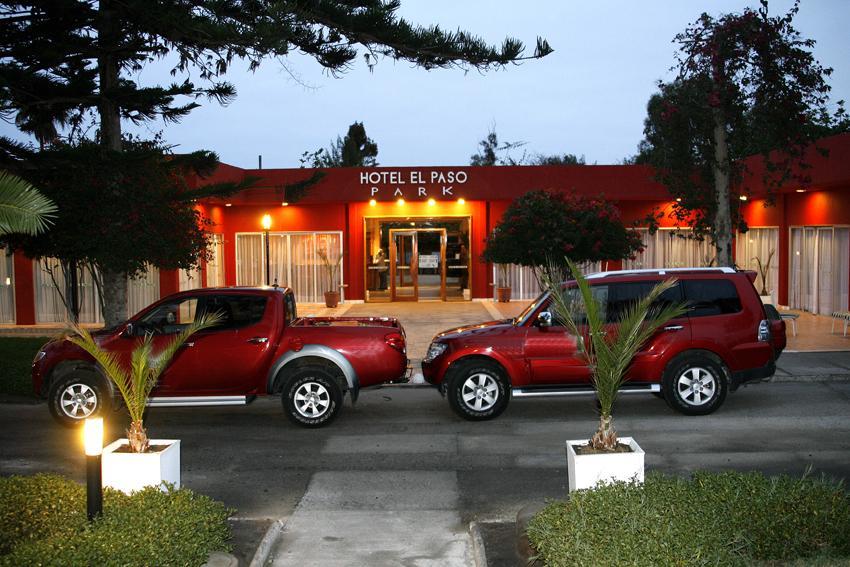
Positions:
{"x": 546, "y": 225}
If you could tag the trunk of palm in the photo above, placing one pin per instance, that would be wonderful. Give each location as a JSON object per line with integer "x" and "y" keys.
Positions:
{"x": 137, "y": 437}
{"x": 605, "y": 438}
{"x": 722, "y": 222}
{"x": 114, "y": 297}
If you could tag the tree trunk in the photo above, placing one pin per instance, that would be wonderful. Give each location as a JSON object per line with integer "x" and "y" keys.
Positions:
{"x": 114, "y": 297}
{"x": 605, "y": 438}
{"x": 722, "y": 222}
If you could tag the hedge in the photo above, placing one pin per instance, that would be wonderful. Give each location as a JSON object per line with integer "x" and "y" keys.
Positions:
{"x": 727, "y": 518}
{"x": 43, "y": 522}
{"x": 15, "y": 372}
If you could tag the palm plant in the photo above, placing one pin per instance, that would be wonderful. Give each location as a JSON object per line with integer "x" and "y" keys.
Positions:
{"x": 331, "y": 266}
{"x": 609, "y": 352}
{"x": 136, "y": 381}
{"x": 22, "y": 208}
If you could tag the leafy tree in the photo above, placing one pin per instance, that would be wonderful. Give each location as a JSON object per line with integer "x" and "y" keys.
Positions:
{"x": 22, "y": 208}
{"x": 355, "y": 150}
{"x": 543, "y": 225}
{"x": 747, "y": 84}
{"x": 494, "y": 153}
{"x": 64, "y": 59}
{"x": 565, "y": 159}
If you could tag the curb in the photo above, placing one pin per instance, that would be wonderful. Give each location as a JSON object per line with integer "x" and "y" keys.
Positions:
{"x": 261, "y": 555}
{"x": 479, "y": 553}
{"x": 526, "y": 554}
{"x": 221, "y": 559}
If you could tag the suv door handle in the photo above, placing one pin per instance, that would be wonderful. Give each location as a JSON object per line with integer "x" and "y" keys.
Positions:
{"x": 673, "y": 328}
{"x": 187, "y": 345}
{"x": 258, "y": 340}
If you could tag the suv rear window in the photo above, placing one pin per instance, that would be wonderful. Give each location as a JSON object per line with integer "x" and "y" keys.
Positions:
{"x": 711, "y": 297}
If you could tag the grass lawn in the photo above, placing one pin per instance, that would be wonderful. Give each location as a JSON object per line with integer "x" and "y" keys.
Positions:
{"x": 16, "y": 354}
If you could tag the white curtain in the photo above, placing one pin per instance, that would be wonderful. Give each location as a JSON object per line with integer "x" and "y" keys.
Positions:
{"x": 142, "y": 291}
{"x": 671, "y": 248}
{"x": 523, "y": 283}
{"x": 49, "y": 307}
{"x": 191, "y": 279}
{"x": 249, "y": 260}
{"x": 642, "y": 259}
{"x": 820, "y": 269}
{"x": 7, "y": 287}
{"x": 215, "y": 267}
{"x": 760, "y": 243}
{"x": 293, "y": 261}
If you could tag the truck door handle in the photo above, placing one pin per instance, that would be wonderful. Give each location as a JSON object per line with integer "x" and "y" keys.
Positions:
{"x": 673, "y": 328}
{"x": 258, "y": 340}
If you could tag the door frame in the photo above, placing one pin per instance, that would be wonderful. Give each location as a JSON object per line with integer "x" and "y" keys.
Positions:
{"x": 414, "y": 261}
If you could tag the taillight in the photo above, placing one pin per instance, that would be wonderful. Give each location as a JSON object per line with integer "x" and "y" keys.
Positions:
{"x": 396, "y": 341}
{"x": 764, "y": 330}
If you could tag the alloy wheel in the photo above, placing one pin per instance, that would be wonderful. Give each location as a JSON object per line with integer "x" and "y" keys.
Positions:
{"x": 480, "y": 392}
{"x": 696, "y": 386}
{"x": 312, "y": 399}
{"x": 78, "y": 401}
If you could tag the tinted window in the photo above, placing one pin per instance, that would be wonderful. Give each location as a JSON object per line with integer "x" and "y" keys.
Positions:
{"x": 622, "y": 296}
{"x": 236, "y": 310}
{"x": 711, "y": 297}
{"x": 289, "y": 303}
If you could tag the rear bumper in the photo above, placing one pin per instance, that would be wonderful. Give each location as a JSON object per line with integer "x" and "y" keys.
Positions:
{"x": 753, "y": 375}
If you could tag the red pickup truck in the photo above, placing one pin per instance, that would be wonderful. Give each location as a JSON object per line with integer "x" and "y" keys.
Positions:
{"x": 261, "y": 347}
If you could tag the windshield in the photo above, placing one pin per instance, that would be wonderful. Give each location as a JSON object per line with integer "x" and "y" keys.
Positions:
{"x": 523, "y": 317}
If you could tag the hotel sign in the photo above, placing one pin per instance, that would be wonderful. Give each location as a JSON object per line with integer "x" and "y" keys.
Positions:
{"x": 408, "y": 184}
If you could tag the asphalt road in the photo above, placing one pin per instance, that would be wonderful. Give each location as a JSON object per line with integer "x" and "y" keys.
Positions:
{"x": 401, "y": 464}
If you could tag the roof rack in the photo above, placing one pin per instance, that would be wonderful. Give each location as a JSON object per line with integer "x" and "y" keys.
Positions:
{"x": 660, "y": 271}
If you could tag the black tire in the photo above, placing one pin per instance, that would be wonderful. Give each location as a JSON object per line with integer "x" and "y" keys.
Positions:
{"x": 76, "y": 396}
{"x": 695, "y": 383}
{"x": 478, "y": 390}
{"x": 311, "y": 397}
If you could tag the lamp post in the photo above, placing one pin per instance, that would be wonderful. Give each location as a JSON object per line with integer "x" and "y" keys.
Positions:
{"x": 93, "y": 442}
{"x": 267, "y": 224}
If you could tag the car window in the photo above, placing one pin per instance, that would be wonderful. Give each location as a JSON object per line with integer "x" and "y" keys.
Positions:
{"x": 711, "y": 297}
{"x": 289, "y": 304}
{"x": 170, "y": 318}
{"x": 572, "y": 297}
{"x": 236, "y": 311}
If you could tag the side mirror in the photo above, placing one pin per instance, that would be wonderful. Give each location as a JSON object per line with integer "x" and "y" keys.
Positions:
{"x": 544, "y": 319}
{"x": 129, "y": 330}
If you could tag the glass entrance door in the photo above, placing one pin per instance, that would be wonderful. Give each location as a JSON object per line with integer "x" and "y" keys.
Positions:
{"x": 404, "y": 284}
{"x": 418, "y": 264}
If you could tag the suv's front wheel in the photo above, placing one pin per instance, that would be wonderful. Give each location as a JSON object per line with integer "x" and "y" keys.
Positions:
{"x": 478, "y": 390}
{"x": 695, "y": 383}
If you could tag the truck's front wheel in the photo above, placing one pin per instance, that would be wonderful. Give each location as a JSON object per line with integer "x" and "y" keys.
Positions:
{"x": 311, "y": 397}
{"x": 77, "y": 396}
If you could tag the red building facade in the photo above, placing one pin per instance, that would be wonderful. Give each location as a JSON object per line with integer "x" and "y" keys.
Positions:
{"x": 417, "y": 233}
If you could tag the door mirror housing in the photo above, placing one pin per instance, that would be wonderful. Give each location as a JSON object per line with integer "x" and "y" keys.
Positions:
{"x": 544, "y": 319}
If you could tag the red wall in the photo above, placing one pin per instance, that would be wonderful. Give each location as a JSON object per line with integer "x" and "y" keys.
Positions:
{"x": 24, "y": 290}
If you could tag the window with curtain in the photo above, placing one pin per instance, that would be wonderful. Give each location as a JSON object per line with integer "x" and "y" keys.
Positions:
{"x": 142, "y": 291}
{"x": 49, "y": 304}
{"x": 7, "y": 287}
{"x": 523, "y": 282}
{"x": 191, "y": 279}
{"x": 293, "y": 261}
{"x": 642, "y": 259}
{"x": 215, "y": 267}
{"x": 671, "y": 248}
{"x": 759, "y": 243}
{"x": 820, "y": 269}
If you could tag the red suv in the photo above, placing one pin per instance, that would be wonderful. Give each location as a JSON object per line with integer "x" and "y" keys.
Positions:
{"x": 726, "y": 338}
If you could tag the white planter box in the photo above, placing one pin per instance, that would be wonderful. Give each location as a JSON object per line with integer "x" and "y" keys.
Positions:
{"x": 585, "y": 471}
{"x": 129, "y": 472}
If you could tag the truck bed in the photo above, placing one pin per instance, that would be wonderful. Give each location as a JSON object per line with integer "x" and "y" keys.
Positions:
{"x": 346, "y": 322}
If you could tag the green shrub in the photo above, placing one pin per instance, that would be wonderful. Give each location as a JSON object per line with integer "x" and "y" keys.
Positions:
{"x": 15, "y": 372}
{"x": 725, "y": 518}
{"x": 43, "y": 522}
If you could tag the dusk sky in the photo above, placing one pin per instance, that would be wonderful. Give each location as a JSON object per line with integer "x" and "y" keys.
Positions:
{"x": 587, "y": 98}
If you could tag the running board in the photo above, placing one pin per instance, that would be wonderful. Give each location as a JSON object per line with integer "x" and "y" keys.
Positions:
{"x": 553, "y": 392}
{"x": 190, "y": 401}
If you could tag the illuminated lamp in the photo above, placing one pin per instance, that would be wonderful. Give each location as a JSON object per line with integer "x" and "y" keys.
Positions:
{"x": 801, "y": 190}
{"x": 461, "y": 201}
{"x": 284, "y": 204}
{"x": 743, "y": 197}
{"x": 372, "y": 202}
{"x": 228, "y": 204}
{"x": 432, "y": 202}
{"x": 678, "y": 199}
{"x": 93, "y": 443}
{"x": 400, "y": 202}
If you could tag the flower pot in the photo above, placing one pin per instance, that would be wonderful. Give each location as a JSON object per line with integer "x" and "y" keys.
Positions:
{"x": 503, "y": 294}
{"x": 331, "y": 298}
{"x": 129, "y": 472}
{"x": 585, "y": 471}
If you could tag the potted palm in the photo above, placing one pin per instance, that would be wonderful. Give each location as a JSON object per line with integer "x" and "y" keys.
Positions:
{"x": 331, "y": 270}
{"x": 498, "y": 251}
{"x": 135, "y": 462}
{"x": 503, "y": 291}
{"x": 608, "y": 351}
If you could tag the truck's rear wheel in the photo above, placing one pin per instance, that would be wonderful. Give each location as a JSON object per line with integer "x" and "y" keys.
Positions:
{"x": 311, "y": 397}
{"x": 77, "y": 396}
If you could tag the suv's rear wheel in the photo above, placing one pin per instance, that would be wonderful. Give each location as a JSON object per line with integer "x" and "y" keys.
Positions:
{"x": 478, "y": 390}
{"x": 695, "y": 384}
{"x": 312, "y": 397}
{"x": 77, "y": 396}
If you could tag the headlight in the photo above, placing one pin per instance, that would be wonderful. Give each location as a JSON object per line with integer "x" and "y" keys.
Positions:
{"x": 434, "y": 350}
{"x": 41, "y": 354}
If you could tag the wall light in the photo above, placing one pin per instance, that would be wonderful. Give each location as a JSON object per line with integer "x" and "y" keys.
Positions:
{"x": 400, "y": 202}
{"x": 372, "y": 202}
{"x": 267, "y": 222}
{"x": 284, "y": 204}
{"x": 432, "y": 202}
{"x": 678, "y": 199}
{"x": 228, "y": 204}
{"x": 743, "y": 197}
{"x": 801, "y": 190}
{"x": 461, "y": 201}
